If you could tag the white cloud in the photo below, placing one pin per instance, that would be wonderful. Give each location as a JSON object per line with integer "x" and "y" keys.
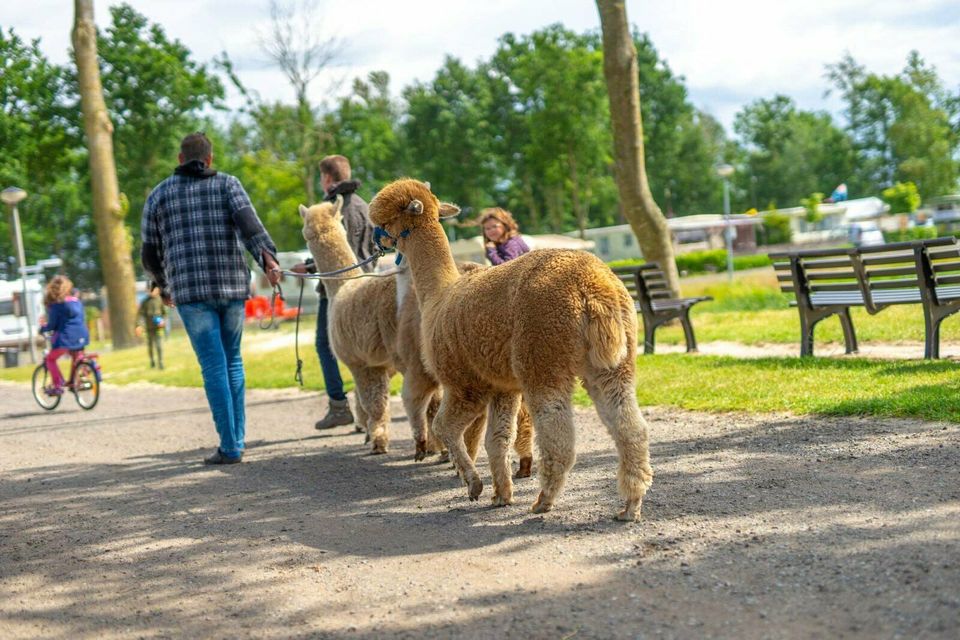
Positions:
{"x": 730, "y": 53}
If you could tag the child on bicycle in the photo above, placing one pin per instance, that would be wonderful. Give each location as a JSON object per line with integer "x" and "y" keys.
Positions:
{"x": 65, "y": 320}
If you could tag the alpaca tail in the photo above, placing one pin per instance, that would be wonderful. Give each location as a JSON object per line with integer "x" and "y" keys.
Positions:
{"x": 605, "y": 332}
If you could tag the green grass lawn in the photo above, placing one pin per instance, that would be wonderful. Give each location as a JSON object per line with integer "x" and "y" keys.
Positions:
{"x": 750, "y": 312}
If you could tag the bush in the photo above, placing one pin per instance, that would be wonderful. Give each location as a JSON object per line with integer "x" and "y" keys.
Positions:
{"x": 776, "y": 229}
{"x": 709, "y": 261}
{"x": 812, "y": 205}
{"x": 902, "y": 197}
{"x": 915, "y": 233}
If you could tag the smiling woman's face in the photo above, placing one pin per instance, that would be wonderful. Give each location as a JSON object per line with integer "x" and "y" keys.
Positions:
{"x": 493, "y": 230}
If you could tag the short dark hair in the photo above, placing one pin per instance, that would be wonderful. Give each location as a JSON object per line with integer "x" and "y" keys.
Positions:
{"x": 196, "y": 146}
{"x": 337, "y": 167}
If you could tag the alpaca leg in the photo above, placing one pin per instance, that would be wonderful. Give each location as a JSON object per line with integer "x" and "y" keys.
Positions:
{"x": 434, "y": 444}
{"x": 474, "y": 434}
{"x": 553, "y": 425}
{"x": 417, "y": 393}
{"x": 613, "y": 392}
{"x": 455, "y": 414}
{"x": 373, "y": 385}
{"x": 501, "y": 428}
{"x": 523, "y": 445}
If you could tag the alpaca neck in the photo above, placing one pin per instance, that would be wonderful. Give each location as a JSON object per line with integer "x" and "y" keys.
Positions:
{"x": 431, "y": 261}
{"x": 331, "y": 256}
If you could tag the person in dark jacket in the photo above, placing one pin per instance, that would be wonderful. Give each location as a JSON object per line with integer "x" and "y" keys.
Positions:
{"x": 66, "y": 322}
{"x": 335, "y": 179}
{"x": 501, "y": 237}
{"x": 195, "y": 226}
{"x": 153, "y": 314}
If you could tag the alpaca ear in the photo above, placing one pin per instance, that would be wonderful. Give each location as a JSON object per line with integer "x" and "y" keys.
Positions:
{"x": 338, "y": 204}
{"x": 415, "y": 207}
{"x": 426, "y": 183}
{"x": 448, "y": 209}
{"x": 303, "y": 211}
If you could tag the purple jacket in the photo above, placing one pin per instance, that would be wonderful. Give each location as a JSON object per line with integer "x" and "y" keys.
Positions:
{"x": 65, "y": 320}
{"x": 512, "y": 248}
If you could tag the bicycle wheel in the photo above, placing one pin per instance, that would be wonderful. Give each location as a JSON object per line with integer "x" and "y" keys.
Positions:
{"x": 41, "y": 380}
{"x": 86, "y": 387}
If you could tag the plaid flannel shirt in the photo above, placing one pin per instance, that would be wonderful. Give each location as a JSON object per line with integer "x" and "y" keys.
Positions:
{"x": 194, "y": 230}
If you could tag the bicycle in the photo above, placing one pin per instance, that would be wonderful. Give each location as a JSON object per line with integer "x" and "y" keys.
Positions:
{"x": 84, "y": 381}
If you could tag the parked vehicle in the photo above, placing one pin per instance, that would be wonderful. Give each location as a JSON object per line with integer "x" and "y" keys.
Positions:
{"x": 13, "y": 322}
{"x": 864, "y": 234}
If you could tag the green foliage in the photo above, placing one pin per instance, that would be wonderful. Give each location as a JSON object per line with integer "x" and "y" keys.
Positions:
{"x": 790, "y": 153}
{"x": 913, "y": 233}
{"x": 776, "y": 229}
{"x": 903, "y": 126}
{"x": 155, "y": 92}
{"x": 812, "y": 206}
{"x": 902, "y": 197}
{"x": 707, "y": 261}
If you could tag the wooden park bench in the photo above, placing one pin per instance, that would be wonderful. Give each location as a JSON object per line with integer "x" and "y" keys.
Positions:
{"x": 832, "y": 281}
{"x": 648, "y": 286}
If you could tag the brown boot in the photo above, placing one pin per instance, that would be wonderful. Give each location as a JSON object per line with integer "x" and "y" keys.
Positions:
{"x": 338, "y": 415}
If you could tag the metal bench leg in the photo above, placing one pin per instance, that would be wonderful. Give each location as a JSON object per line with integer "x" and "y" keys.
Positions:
{"x": 648, "y": 339}
{"x": 688, "y": 331}
{"x": 849, "y": 335}
{"x": 931, "y": 348}
{"x": 807, "y": 326}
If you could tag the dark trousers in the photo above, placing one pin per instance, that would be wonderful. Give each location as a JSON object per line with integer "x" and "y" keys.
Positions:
{"x": 328, "y": 362}
{"x": 155, "y": 342}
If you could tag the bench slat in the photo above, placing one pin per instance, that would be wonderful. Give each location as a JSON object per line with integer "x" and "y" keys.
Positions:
{"x": 939, "y": 267}
{"x": 895, "y": 271}
{"x": 895, "y": 284}
{"x": 896, "y": 258}
{"x": 826, "y": 264}
{"x": 835, "y": 286}
{"x": 832, "y": 275}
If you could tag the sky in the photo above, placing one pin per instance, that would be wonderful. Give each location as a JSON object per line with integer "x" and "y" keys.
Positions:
{"x": 730, "y": 53}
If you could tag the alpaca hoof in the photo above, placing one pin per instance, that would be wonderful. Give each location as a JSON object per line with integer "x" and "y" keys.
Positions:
{"x": 630, "y": 512}
{"x": 421, "y": 450}
{"x": 526, "y": 468}
{"x": 366, "y": 439}
{"x": 378, "y": 450}
{"x": 541, "y": 505}
{"x": 444, "y": 457}
{"x": 501, "y": 501}
{"x": 475, "y": 489}
{"x": 358, "y": 428}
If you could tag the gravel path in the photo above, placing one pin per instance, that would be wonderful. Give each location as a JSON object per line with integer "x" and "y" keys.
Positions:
{"x": 765, "y": 526}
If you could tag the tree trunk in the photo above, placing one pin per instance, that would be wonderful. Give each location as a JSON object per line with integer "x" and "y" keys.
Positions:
{"x": 623, "y": 87}
{"x": 113, "y": 238}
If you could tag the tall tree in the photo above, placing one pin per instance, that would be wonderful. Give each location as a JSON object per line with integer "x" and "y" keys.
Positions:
{"x": 791, "y": 153}
{"x": 109, "y": 211}
{"x": 903, "y": 126}
{"x": 637, "y": 203}
{"x": 295, "y": 44}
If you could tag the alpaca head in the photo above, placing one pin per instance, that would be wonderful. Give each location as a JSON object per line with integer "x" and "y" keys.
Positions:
{"x": 405, "y": 205}
{"x": 322, "y": 223}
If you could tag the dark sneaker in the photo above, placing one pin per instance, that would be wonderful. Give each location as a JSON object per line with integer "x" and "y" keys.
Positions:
{"x": 219, "y": 458}
{"x": 53, "y": 391}
{"x": 338, "y": 415}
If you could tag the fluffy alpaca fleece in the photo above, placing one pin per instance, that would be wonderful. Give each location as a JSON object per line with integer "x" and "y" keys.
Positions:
{"x": 421, "y": 390}
{"x": 362, "y": 319}
{"x": 531, "y": 326}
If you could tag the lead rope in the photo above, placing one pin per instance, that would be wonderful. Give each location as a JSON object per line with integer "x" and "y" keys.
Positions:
{"x": 298, "y": 376}
{"x": 277, "y": 294}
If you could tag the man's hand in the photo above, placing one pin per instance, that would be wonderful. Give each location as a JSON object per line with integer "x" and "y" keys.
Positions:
{"x": 272, "y": 269}
{"x": 167, "y": 300}
{"x": 300, "y": 267}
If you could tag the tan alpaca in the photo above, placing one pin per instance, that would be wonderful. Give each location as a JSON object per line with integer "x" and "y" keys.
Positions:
{"x": 421, "y": 390}
{"x": 531, "y": 326}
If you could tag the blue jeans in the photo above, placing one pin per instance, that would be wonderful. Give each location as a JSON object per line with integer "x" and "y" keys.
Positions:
{"x": 215, "y": 329}
{"x": 328, "y": 362}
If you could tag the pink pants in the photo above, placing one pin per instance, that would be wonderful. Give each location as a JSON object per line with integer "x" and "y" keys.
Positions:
{"x": 52, "y": 367}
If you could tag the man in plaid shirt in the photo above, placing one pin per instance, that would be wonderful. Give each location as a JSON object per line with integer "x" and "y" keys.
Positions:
{"x": 195, "y": 226}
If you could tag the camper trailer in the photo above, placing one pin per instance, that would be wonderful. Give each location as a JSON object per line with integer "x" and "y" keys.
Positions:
{"x": 13, "y": 322}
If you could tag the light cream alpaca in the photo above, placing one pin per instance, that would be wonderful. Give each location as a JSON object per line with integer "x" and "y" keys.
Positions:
{"x": 531, "y": 326}
{"x": 362, "y": 319}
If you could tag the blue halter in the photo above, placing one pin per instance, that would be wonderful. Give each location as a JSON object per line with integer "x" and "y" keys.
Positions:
{"x": 379, "y": 233}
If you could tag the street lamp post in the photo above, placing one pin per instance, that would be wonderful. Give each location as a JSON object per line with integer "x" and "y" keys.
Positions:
{"x": 11, "y": 196}
{"x": 725, "y": 171}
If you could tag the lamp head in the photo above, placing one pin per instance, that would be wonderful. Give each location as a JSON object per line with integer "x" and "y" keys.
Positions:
{"x": 725, "y": 170}
{"x": 12, "y": 195}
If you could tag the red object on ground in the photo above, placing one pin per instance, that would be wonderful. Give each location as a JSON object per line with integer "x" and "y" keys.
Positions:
{"x": 258, "y": 307}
